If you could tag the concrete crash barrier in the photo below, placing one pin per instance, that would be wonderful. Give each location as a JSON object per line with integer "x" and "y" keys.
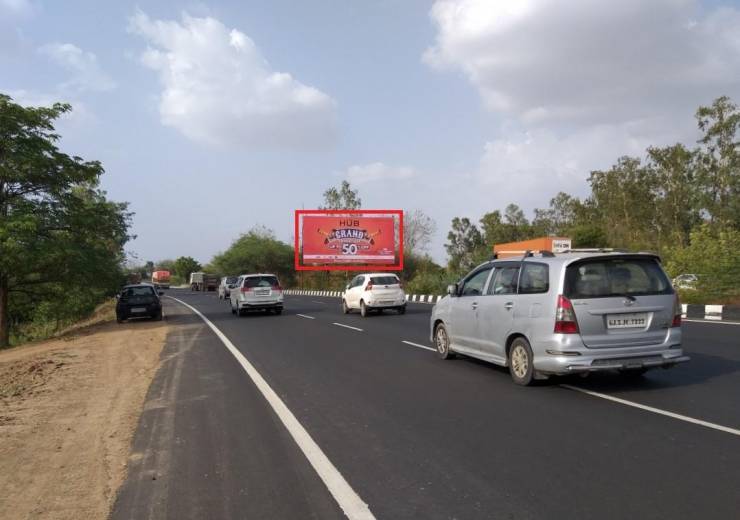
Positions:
{"x": 711, "y": 312}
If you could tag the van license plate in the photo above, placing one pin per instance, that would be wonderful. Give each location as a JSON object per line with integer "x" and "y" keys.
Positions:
{"x": 626, "y": 321}
{"x": 138, "y": 309}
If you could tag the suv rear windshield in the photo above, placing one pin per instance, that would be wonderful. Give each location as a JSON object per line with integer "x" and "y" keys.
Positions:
{"x": 231, "y": 279}
{"x": 384, "y": 280}
{"x": 260, "y": 281}
{"x": 607, "y": 277}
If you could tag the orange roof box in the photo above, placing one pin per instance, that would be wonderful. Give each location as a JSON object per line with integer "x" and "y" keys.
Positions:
{"x": 553, "y": 244}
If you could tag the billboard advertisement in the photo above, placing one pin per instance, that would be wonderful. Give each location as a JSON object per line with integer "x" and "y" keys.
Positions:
{"x": 349, "y": 239}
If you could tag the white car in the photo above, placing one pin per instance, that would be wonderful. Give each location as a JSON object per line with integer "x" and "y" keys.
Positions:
{"x": 256, "y": 292}
{"x": 685, "y": 281}
{"x": 224, "y": 288}
{"x": 374, "y": 291}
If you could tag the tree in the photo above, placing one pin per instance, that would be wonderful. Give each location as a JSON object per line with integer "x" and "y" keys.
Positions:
{"x": 719, "y": 159}
{"x": 257, "y": 251}
{"x": 59, "y": 235}
{"x": 464, "y": 244}
{"x": 418, "y": 230}
{"x": 186, "y": 265}
{"x": 343, "y": 198}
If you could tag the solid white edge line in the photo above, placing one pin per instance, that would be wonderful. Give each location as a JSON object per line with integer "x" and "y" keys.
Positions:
{"x": 304, "y": 316}
{"x": 349, "y": 501}
{"x": 680, "y": 417}
{"x": 417, "y": 345}
{"x": 347, "y": 326}
{"x": 712, "y": 322}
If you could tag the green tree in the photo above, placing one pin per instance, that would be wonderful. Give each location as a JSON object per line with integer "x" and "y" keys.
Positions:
{"x": 184, "y": 266}
{"x": 343, "y": 198}
{"x": 61, "y": 240}
{"x": 719, "y": 159}
{"x": 464, "y": 245}
{"x": 257, "y": 251}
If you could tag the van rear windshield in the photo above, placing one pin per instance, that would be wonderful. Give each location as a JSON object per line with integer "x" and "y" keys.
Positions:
{"x": 608, "y": 277}
{"x": 260, "y": 281}
{"x": 384, "y": 280}
{"x": 231, "y": 279}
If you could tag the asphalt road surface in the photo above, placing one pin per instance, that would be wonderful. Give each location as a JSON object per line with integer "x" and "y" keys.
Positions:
{"x": 411, "y": 436}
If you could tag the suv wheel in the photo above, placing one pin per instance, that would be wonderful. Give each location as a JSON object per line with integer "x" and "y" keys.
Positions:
{"x": 345, "y": 309}
{"x": 363, "y": 309}
{"x": 233, "y": 309}
{"x": 520, "y": 362}
{"x": 442, "y": 342}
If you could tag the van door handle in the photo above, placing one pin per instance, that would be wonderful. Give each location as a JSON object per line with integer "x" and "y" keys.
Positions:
{"x": 474, "y": 305}
{"x": 508, "y": 305}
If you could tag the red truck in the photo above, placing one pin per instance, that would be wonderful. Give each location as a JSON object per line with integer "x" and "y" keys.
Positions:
{"x": 161, "y": 279}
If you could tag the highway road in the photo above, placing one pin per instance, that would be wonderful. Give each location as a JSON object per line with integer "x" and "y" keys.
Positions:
{"x": 316, "y": 414}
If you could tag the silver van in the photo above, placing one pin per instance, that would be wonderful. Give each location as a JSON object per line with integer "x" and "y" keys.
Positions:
{"x": 576, "y": 312}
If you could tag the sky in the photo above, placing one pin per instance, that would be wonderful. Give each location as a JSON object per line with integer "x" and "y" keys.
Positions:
{"x": 213, "y": 117}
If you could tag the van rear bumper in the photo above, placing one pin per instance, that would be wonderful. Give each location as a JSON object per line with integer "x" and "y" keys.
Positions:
{"x": 556, "y": 364}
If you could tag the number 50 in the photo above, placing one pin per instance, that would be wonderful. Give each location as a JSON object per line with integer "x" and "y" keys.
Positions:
{"x": 349, "y": 249}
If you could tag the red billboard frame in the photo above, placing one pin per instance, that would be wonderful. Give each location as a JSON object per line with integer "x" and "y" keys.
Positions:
{"x": 378, "y": 267}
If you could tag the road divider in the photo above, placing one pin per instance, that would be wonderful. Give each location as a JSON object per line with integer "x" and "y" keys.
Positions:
{"x": 347, "y": 499}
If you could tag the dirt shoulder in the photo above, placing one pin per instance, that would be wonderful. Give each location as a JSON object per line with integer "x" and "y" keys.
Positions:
{"x": 68, "y": 411}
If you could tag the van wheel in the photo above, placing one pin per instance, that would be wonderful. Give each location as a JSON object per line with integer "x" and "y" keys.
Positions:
{"x": 402, "y": 310}
{"x": 345, "y": 309}
{"x": 442, "y": 342}
{"x": 363, "y": 309}
{"x": 520, "y": 362}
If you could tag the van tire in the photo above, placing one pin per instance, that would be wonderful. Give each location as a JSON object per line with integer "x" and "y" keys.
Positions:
{"x": 345, "y": 309}
{"x": 363, "y": 309}
{"x": 442, "y": 342}
{"x": 521, "y": 359}
{"x": 233, "y": 310}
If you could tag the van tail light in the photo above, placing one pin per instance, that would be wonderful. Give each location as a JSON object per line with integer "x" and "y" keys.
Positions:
{"x": 565, "y": 317}
{"x": 246, "y": 289}
{"x": 677, "y": 311}
{"x": 277, "y": 287}
{"x": 369, "y": 286}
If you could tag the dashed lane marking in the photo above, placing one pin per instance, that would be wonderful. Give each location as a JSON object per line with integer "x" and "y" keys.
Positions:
{"x": 307, "y": 317}
{"x": 347, "y": 326}
{"x": 680, "y": 417}
{"x": 418, "y": 346}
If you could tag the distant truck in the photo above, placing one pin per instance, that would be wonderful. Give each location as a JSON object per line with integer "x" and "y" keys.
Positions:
{"x": 515, "y": 249}
{"x": 161, "y": 279}
{"x": 196, "y": 281}
{"x": 204, "y": 282}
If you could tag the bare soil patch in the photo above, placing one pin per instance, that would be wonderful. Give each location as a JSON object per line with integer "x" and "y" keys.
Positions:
{"x": 68, "y": 411}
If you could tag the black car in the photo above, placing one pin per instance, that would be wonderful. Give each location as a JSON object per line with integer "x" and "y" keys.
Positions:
{"x": 137, "y": 301}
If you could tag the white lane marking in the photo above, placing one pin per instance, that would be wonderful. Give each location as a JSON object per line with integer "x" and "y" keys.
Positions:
{"x": 317, "y": 301}
{"x": 713, "y": 322}
{"x": 346, "y": 497}
{"x": 418, "y": 346}
{"x": 680, "y": 417}
{"x": 346, "y": 326}
{"x": 304, "y": 316}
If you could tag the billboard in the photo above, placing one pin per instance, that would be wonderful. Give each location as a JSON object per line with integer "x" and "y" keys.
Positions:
{"x": 348, "y": 240}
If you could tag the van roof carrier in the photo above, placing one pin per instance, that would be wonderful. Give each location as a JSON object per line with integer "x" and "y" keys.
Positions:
{"x": 596, "y": 250}
{"x": 526, "y": 253}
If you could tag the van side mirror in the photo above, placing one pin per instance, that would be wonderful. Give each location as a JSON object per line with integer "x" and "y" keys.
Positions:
{"x": 452, "y": 289}
{"x": 161, "y": 293}
{"x": 346, "y": 287}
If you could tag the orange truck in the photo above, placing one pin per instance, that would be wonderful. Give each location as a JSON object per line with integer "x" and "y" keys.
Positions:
{"x": 161, "y": 279}
{"x": 552, "y": 244}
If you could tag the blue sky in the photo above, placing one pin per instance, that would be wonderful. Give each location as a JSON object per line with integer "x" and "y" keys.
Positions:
{"x": 212, "y": 117}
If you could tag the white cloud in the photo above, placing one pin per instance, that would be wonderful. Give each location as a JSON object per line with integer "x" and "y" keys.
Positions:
{"x": 218, "y": 88}
{"x": 86, "y": 73}
{"x": 586, "y": 60}
{"x": 79, "y": 116}
{"x": 377, "y": 171}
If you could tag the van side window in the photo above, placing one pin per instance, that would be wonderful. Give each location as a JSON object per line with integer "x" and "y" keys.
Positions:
{"x": 505, "y": 280}
{"x": 475, "y": 283}
{"x": 535, "y": 279}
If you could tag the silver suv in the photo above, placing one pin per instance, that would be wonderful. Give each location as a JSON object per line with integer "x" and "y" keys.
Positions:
{"x": 562, "y": 314}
